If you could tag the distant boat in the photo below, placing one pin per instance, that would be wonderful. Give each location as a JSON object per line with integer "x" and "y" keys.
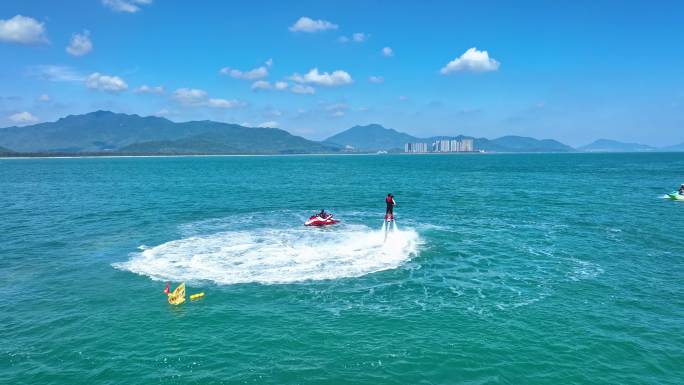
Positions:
{"x": 381, "y": 152}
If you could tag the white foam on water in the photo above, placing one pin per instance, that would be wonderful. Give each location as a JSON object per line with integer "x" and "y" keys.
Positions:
{"x": 271, "y": 255}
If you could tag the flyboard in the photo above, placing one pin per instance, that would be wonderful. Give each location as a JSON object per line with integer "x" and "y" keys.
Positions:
{"x": 388, "y": 225}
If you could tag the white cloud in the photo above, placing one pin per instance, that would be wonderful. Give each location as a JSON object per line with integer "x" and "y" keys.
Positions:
{"x": 165, "y": 112}
{"x": 336, "y": 110}
{"x": 223, "y": 103}
{"x": 98, "y": 81}
{"x": 305, "y": 24}
{"x": 129, "y": 6}
{"x": 301, "y": 89}
{"x": 55, "y": 73}
{"x": 44, "y": 98}
{"x": 145, "y": 89}
{"x": 23, "y": 30}
{"x": 336, "y": 78}
{"x": 269, "y": 124}
{"x": 336, "y": 107}
{"x": 403, "y": 97}
{"x": 265, "y": 85}
{"x": 23, "y": 118}
{"x": 196, "y": 97}
{"x": 261, "y": 85}
{"x": 472, "y": 60}
{"x": 80, "y": 44}
{"x": 253, "y": 74}
{"x": 256, "y": 73}
{"x": 376, "y": 79}
{"x": 358, "y": 37}
{"x": 190, "y": 96}
{"x": 387, "y": 52}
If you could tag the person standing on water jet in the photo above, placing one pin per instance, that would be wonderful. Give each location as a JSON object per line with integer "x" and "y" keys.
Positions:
{"x": 389, "y": 211}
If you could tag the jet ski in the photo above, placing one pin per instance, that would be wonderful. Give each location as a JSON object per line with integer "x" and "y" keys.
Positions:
{"x": 317, "y": 220}
{"x": 675, "y": 196}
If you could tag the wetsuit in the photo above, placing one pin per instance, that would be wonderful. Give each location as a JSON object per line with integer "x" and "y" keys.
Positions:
{"x": 681, "y": 191}
{"x": 390, "y": 206}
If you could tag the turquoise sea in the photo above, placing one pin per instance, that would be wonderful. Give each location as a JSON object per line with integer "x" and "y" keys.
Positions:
{"x": 504, "y": 269}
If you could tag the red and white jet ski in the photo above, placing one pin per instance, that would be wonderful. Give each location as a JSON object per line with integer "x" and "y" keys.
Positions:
{"x": 316, "y": 220}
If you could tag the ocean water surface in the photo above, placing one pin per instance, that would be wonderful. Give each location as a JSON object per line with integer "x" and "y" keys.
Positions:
{"x": 504, "y": 269}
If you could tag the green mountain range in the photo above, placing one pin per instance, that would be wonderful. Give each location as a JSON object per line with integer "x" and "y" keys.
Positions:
{"x": 114, "y": 133}
{"x": 104, "y": 131}
{"x": 607, "y": 145}
{"x": 372, "y": 137}
{"x": 375, "y": 137}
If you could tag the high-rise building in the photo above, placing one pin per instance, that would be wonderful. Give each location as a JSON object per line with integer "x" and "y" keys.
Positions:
{"x": 416, "y": 147}
{"x": 467, "y": 145}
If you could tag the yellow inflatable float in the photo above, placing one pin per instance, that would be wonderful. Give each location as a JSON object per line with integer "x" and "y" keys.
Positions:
{"x": 177, "y": 296}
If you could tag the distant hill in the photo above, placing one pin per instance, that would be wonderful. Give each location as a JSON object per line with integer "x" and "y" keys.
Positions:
{"x": 372, "y": 137}
{"x": 4, "y": 150}
{"x": 375, "y": 137}
{"x": 675, "y": 148}
{"x": 608, "y": 145}
{"x": 104, "y": 131}
{"x": 526, "y": 144}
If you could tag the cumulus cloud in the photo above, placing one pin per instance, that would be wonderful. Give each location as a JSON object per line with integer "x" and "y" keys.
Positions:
{"x": 190, "y": 96}
{"x": 387, "y": 52}
{"x": 55, "y": 73}
{"x": 358, "y": 37}
{"x": 22, "y": 30}
{"x": 128, "y": 6}
{"x": 165, "y": 112}
{"x": 195, "y": 97}
{"x": 336, "y": 78}
{"x": 98, "y": 81}
{"x": 265, "y": 85}
{"x": 261, "y": 85}
{"x": 269, "y": 124}
{"x": 376, "y": 79}
{"x": 145, "y": 89}
{"x": 301, "y": 89}
{"x": 223, "y": 103}
{"x": 44, "y": 98}
{"x": 305, "y": 24}
{"x": 337, "y": 109}
{"x": 472, "y": 60}
{"x": 253, "y": 74}
{"x": 80, "y": 44}
{"x": 23, "y": 118}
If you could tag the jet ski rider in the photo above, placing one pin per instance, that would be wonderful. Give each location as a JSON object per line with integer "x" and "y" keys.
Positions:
{"x": 389, "y": 212}
{"x": 322, "y": 214}
{"x": 681, "y": 189}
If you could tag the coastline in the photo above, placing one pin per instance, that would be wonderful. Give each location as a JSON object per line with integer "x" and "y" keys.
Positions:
{"x": 109, "y": 156}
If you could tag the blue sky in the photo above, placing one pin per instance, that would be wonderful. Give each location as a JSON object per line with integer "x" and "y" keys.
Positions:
{"x": 570, "y": 70}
